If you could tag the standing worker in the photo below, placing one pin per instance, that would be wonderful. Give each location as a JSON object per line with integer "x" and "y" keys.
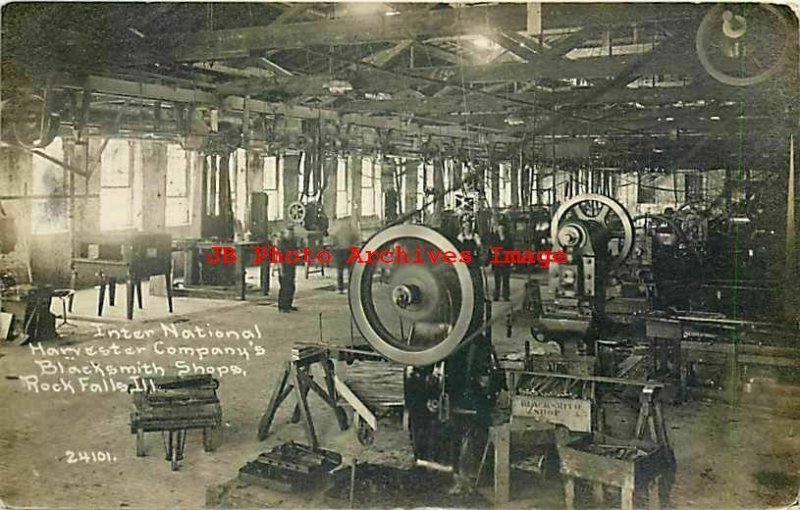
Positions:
{"x": 469, "y": 240}
{"x": 502, "y": 272}
{"x": 344, "y": 238}
{"x": 287, "y": 271}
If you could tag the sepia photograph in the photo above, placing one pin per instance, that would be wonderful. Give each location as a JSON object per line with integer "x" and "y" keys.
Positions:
{"x": 447, "y": 255}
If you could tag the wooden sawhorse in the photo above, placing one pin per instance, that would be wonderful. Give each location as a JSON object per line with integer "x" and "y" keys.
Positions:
{"x": 297, "y": 378}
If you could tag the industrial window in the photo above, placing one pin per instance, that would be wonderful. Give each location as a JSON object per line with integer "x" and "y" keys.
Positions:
{"x": 429, "y": 175}
{"x": 487, "y": 184}
{"x": 49, "y": 188}
{"x": 693, "y": 186}
{"x": 179, "y": 169}
{"x": 342, "y": 189}
{"x": 307, "y": 186}
{"x": 212, "y": 186}
{"x": 449, "y": 170}
{"x": 505, "y": 184}
{"x": 116, "y": 185}
{"x": 404, "y": 185}
{"x": 216, "y": 172}
{"x": 646, "y": 193}
{"x": 367, "y": 173}
{"x": 422, "y": 172}
{"x": 271, "y": 187}
{"x": 529, "y": 185}
{"x": 368, "y": 179}
{"x": 271, "y": 173}
{"x": 239, "y": 197}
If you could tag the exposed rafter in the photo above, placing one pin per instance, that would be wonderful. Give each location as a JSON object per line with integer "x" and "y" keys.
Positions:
{"x": 220, "y": 44}
{"x": 123, "y": 88}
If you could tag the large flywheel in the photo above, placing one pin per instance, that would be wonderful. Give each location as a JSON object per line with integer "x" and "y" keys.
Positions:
{"x": 599, "y": 211}
{"x": 414, "y": 311}
{"x": 743, "y": 44}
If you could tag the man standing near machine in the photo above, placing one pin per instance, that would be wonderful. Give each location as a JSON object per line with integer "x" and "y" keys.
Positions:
{"x": 287, "y": 272}
{"x": 502, "y": 272}
{"x": 343, "y": 237}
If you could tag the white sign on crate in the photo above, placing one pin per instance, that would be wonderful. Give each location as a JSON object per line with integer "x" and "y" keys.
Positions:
{"x": 573, "y": 413}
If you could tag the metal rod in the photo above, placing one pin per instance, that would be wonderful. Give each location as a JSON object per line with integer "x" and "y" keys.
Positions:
{"x": 353, "y": 481}
{"x": 594, "y": 378}
{"x": 58, "y": 162}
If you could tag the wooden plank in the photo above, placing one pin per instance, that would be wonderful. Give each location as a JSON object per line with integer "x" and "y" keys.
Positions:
{"x": 302, "y": 405}
{"x": 595, "y": 378}
{"x": 385, "y": 57}
{"x": 6, "y": 319}
{"x": 569, "y": 492}
{"x": 426, "y": 51}
{"x": 595, "y": 468}
{"x": 745, "y": 348}
{"x": 627, "y": 494}
{"x": 240, "y": 72}
{"x": 501, "y": 438}
{"x": 358, "y": 406}
{"x": 517, "y": 45}
{"x": 128, "y": 88}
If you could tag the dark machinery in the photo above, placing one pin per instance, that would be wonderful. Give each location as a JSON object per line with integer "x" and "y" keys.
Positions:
{"x": 662, "y": 256}
{"x": 530, "y": 229}
{"x": 30, "y": 120}
{"x": 311, "y": 227}
{"x": 432, "y": 318}
{"x": 597, "y": 235}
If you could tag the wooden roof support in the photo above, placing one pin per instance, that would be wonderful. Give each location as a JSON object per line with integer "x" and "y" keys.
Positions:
{"x": 123, "y": 88}
{"x": 385, "y": 57}
{"x": 232, "y": 43}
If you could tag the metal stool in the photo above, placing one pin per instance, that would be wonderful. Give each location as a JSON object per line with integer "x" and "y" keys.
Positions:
{"x": 67, "y": 296}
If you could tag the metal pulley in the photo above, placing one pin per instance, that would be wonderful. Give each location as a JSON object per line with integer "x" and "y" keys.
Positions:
{"x": 29, "y": 121}
{"x": 416, "y": 309}
{"x": 572, "y": 221}
{"x": 743, "y": 44}
{"x": 297, "y": 212}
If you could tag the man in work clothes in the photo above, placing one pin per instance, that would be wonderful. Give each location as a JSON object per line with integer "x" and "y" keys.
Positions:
{"x": 502, "y": 272}
{"x": 287, "y": 272}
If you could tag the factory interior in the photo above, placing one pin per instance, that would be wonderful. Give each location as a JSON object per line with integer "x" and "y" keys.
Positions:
{"x": 399, "y": 255}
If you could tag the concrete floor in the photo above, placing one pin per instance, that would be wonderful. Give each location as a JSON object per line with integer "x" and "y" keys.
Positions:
{"x": 727, "y": 457}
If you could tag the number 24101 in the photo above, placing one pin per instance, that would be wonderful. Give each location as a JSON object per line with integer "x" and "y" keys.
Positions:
{"x": 88, "y": 457}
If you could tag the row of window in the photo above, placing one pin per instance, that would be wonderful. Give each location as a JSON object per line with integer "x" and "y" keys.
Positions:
{"x": 121, "y": 174}
{"x": 120, "y": 182}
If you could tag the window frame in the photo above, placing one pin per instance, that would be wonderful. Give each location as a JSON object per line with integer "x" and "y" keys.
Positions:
{"x": 188, "y": 165}
{"x": 131, "y": 170}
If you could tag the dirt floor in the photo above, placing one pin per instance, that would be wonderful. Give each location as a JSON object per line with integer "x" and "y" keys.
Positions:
{"x": 727, "y": 457}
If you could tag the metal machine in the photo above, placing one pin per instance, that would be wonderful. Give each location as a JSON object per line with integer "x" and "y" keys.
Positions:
{"x": 430, "y": 317}
{"x": 311, "y": 227}
{"x": 597, "y": 235}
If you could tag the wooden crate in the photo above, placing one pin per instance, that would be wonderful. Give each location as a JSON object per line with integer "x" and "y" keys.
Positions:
{"x": 586, "y": 459}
